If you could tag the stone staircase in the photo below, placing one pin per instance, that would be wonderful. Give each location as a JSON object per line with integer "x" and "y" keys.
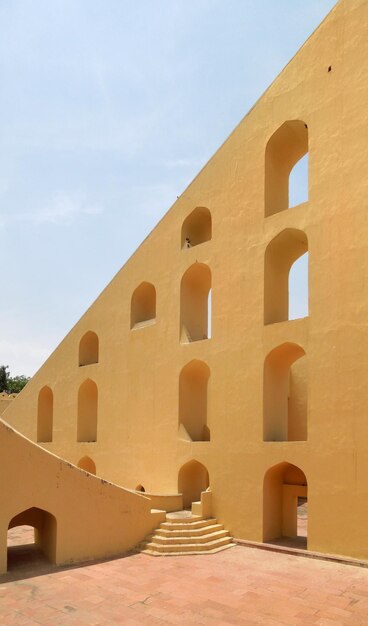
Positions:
{"x": 185, "y": 533}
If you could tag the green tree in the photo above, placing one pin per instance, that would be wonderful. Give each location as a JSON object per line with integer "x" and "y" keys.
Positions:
{"x": 11, "y": 384}
{"x": 16, "y": 384}
{"x": 4, "y": 377}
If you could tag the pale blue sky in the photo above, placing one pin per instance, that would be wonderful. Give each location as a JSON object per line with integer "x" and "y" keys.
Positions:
{"x": 108, "y": 109}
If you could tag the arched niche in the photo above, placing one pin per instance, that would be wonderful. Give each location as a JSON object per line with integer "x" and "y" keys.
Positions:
{"x": 87, "y": 411}
{"x": 196, "y": 228}
{"x": 194, "y": 303}
{"x": 285, "y": 394}
{"x": 140, "y": 488}
{"x": 283, "y": 485}
{"x": 193, "y": 478}
{"x": 88, "y": 349}
{"x": 193, "y": 390}
{"x": 45, "y": 536}
{"x": 143, "y": 305}
{"x": 87, "y": 464}
{"x": 45, "y": 411}
{"x": 283, "y": 151}
{"x": 281, "y": 253}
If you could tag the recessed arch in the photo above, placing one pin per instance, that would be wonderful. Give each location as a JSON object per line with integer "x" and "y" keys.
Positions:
{"x": 280, "y": 255}
{"x": 193, "y": 478}
{"x": 143, "y": 305}
{"x": 45, "y": 536}
{"x": 87, "y": 464}
{"x": 194, "y": 303}
{"x": 88, "y": 348}
{"x": 283, "y": 484}
{"x": 196, "y": 228}
{"x": 285, "y": 395}
{"x": 45, "y": 412}
{"x": 87, "y": 411}
{"x": 193, "y": 392}
{"x": 140, "y": 488}
{"x": 287, "y": 146}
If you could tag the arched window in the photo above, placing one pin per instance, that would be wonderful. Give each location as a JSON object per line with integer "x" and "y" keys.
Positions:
{"x": 45, "y": 415}
{"x": 192, "y": 480}
{"x": 87, "y": 411}
{"x": 285, "y": 493}
{"x": 285, "y": 394}
{"x": 298, "y": 288}
{"x": 197, "y": 228}
{"x": 195, "y": 287}
{"x": 87, "y": 464}
{"x": 280, "y": 255}
{"x": 285, "y": 148}
{"x": 143, "y": 305}
{"x": 88, "y": 349}
{"x": 298, "y": 182}
{"x": 193, "y": 384}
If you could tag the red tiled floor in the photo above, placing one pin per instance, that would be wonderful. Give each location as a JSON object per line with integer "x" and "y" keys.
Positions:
{"x": 239, "y": 586}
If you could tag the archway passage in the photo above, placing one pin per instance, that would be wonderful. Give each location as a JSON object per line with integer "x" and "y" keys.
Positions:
{"x": 285, "y": 394}
{"x": 284, "y": 149}
{"x": 280, "y": 255}
{"x": 285, "y": 492}
{"x": 45, "y": 412}
{"x": 193, "y": 478}
{"x": 143, "y": 305}
{"x": 194, "y": 305}
{"x": 31, "y": 539}
{"x": 197, "y": 228}
{"x": 88, "y": 349}
{"x": 87, "y": 464}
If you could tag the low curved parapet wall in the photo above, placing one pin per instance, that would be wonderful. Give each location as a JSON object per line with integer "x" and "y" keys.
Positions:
{"x": 93, "y": 518}
{"x": 168, "y": 503}
{"x": 6, "y": 400}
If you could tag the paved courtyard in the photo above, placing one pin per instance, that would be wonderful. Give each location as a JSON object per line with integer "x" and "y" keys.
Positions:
{"x": 238, "y": 586}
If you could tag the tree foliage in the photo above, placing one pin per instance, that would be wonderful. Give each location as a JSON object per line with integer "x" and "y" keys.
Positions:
{"x": 11, "y": 384}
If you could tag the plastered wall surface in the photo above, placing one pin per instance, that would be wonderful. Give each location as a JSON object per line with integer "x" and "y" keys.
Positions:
{"x": 138, "y": 370}
{"x": 5, "y": 400}
{"x": 78, "y": 516}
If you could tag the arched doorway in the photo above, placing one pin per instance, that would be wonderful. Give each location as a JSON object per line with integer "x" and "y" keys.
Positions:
{"x": 285, "y": 394}
{"x": 193, "y": 391}
{"x": 194, "y": 308}
{"x": 31, "y": 539}
{"x": 193, "y": 478}
{"x": 285, "y": 491}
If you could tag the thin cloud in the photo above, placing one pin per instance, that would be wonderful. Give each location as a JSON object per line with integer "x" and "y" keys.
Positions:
{"x": 62, "y": 210}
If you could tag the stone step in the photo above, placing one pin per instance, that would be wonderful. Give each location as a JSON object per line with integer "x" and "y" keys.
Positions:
{"x": 185, "y": 515}
{"x": 190, "y": 539}
{"x": 189, "y": 532}
{"x": 185, "y": 547}
{"x": 188, "y": 552}
{"x": 187, "y": 525}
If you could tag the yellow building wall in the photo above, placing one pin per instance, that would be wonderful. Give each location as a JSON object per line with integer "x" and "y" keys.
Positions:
{"x": 78, "y": 516}
{"x": 138, "y": 369}
{"x": 5, "y": 401}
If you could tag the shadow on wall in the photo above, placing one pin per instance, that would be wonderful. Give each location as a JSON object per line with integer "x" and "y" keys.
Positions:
{"x": 193, "y": 478}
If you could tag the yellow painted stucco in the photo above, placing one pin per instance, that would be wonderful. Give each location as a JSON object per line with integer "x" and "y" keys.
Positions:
{"x": 263, "y": 394}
